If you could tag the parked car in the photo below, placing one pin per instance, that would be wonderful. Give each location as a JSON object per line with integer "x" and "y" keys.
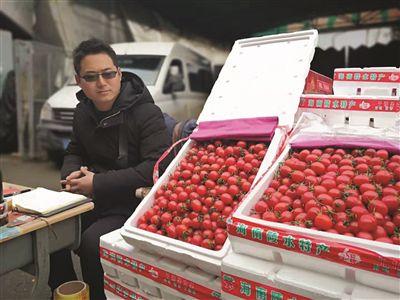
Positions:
{"x": 178, "y": 78}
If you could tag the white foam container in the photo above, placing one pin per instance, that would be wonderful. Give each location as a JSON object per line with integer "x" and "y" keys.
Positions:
{"x": 376, "y": 81}
{"x": 114, "y": 243}
{"x": 362, "y": 292}
{"x": 276, "y": 276}
{"x": 261, "y": 77}
{"x": 275, "y": 254}
{"x": 378, "y": 111}
{"x": 119, "y": 290}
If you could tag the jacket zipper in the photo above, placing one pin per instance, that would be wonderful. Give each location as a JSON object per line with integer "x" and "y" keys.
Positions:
{"x": 113, "y": 115}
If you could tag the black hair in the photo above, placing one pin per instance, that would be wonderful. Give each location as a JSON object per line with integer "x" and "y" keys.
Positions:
{"x": 92, "y": 46}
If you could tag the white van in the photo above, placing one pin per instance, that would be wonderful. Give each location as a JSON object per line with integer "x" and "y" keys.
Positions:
{"x": 178, "y": 78}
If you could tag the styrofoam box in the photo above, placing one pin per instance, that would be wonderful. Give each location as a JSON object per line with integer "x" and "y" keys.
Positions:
{"x": 297, "y": 281}
{"x": 261, "y": 77}
{"x": 362, "y": 292}
{"x": 375, "y": 111}
{"x": 376, "y": 81}
{"x": 255, "y": 249}
{"x": 130, "y": 292}
{"x": 114, "y": 242}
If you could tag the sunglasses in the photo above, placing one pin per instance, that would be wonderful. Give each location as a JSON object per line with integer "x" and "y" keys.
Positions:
{"x": 94, "y": 77}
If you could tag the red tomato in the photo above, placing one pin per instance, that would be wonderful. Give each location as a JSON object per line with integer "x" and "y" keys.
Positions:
{"x": 378, "y": 206}
{"x": 339, "y": 205}
{"x": 389, "y": 227}
{"x": 220, "y": 238}
{"x": 318, "y": 168}
{"x": 367, "y": 223}
{"x": 226, "y": 198}
{"x": 360, "y": 179}
{"x": 392, "y": 202}
{"x": 261, "y": 206}
{"x": 383, "y": 154}
{"x": 383, "y": 177}
{"x": 297, "y": 176}
{"x": 196, "y": 205}
{"x": 367, "y": 187}
{"x": 269, "y": 216}
{"x": 365, "y": 235}
{"x": 286, "y": 216}
{"x": 384, "y": 240}
{"x": 166, "y": 218}
{"x": 323, "y": 222}
{"x": 359, "y": 211}
{"x": 219, "y": 205}
{"x": 379, "y": 232}
{"x": 152, "y": 228}
{"x": 362, "y": 168}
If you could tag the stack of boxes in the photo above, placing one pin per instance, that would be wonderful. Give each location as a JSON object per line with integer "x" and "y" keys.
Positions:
{"x": 279, "y": 261}
{"x": 131, "y": 273}
{"x": 170, "y": 268}
{"x": 251, "y": 265}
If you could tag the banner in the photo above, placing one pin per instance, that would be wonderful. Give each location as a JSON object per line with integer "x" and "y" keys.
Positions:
{"x": 344, "y": 254}
{"x": 248, "y": 289}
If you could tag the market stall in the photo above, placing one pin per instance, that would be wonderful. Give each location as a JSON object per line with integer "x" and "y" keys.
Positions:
{"x": 208, "y": 229}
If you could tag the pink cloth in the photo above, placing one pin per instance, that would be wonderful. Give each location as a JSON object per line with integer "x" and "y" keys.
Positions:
{"x": 252, "y": 129}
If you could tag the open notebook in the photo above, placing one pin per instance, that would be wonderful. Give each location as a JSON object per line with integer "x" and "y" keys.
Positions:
{"x": 44, "y": 202}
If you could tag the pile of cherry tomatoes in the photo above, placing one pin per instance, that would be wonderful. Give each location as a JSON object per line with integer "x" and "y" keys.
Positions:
{"x": 205, "y": 188}
{"x": 354, "y": 192}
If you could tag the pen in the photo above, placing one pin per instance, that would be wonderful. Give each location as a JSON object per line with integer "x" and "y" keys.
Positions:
{"x": 17, "y": 193}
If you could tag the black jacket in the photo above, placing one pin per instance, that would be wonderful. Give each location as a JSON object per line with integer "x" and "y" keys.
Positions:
{"x": 95, "y": 144}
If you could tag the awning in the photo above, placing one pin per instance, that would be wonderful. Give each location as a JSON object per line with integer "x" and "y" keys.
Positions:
{"x": 355, "y": 38}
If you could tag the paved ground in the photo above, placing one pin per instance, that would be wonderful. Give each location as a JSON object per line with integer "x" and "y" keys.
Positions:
{"x": 18, "y": 284}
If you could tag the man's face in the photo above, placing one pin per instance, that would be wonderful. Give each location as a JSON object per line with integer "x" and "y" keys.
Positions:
{"x": 101, "y": 91}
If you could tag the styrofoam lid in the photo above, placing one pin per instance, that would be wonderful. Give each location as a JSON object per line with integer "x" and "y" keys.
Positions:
{"x": 262, "y": 77}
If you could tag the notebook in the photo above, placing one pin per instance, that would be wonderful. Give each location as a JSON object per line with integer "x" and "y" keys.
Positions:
{"x": 44, "y": 202}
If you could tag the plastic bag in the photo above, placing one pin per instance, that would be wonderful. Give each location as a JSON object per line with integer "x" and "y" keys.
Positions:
{"x": 311, "y": 132}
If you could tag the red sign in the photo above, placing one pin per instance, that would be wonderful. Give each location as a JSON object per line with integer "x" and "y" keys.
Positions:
{"x": 121, "y": 291}
{"x": 336, "y": 252}
{"x": 317, "y": 84}
{"x": 248, "y": 289}
{"x": 387, "y": 77}
{"x": 383, "y": 105}
{"x": 156, "y": 274}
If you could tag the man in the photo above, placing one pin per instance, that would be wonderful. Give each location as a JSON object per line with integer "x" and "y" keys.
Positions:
{"x": 118, "y": 135}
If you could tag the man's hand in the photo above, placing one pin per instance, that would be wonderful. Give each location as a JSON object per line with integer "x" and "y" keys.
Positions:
{"x": 81, "y": 183}
{"x": 67, "y": 181}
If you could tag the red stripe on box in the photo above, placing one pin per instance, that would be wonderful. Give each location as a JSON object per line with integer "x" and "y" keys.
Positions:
{"x": 383, "y": 105}
{"x": 248, "y": 289}
{"x": 386, "y": 77}
{"x": 344, "y": 254}
{"x": 156, "y": 274}
{"x": 121, "y": 291}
